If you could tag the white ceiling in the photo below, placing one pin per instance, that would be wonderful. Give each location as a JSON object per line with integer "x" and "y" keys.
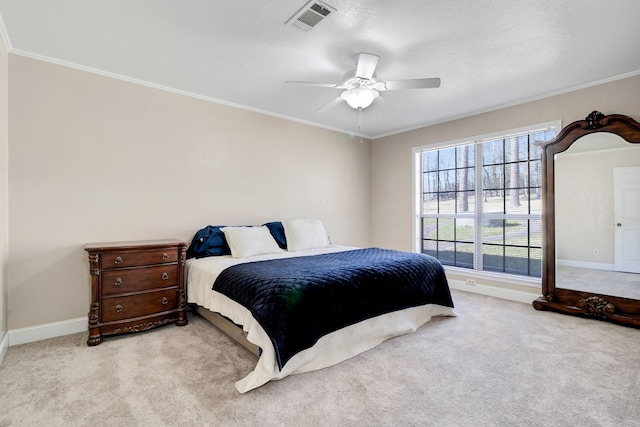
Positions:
{"x": 488, "y": 53}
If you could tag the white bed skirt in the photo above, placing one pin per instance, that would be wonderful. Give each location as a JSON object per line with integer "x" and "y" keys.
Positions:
{"x": 340, "y": 345}
{"x": 330, "y": 349}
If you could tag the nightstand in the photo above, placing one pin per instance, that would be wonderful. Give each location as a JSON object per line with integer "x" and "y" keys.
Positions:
{"x": 135, "y": 286}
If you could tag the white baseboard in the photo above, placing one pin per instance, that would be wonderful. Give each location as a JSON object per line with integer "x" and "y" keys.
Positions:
{"x": 582, "y": 264}
{"x": 4, "y": 346}
{"x": 48, "y": 330}
{"x": 493, "y": 291}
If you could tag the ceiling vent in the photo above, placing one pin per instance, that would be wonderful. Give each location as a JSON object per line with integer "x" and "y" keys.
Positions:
{"x": 310, "y": 15}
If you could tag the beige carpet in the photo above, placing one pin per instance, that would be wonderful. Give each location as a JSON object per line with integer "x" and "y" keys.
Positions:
{"x": 499, "y": 363}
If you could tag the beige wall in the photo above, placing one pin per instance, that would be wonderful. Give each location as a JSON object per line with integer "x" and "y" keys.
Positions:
{"x": 4, "y": 186}
{"x": 392, "y": 156}
{"x": 99, "y": 159}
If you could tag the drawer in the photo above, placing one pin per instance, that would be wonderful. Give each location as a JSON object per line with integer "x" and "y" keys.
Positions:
{"x": 133, "y": 259}
{"x": 139, "y": 279}
{"x": 120, "y": 308}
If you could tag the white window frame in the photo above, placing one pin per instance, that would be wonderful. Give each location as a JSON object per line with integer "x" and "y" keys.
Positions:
{"x": 556, "y": 125}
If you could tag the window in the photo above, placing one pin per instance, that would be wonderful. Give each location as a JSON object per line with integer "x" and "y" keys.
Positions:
{"x": 480, "y": 201}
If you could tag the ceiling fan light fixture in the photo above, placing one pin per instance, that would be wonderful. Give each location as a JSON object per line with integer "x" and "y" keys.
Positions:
{"x": 360, "y": 97}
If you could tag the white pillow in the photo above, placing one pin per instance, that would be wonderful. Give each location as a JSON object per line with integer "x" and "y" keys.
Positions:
{"x": 305, "y": 234}
{"x": 250, "y": 241}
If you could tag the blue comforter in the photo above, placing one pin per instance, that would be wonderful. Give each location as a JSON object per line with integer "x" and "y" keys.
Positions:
{"x": 299, "y": 300}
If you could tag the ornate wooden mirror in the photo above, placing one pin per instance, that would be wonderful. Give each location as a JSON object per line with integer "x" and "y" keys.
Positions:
{"x": 591, "y": 220}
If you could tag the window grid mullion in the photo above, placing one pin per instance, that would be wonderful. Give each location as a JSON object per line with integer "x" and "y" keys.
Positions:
{"x": 478, "y": 216}
{"x": 455, "y": 206}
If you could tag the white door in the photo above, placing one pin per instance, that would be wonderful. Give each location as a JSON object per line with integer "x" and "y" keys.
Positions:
{"x": 626, "y": 182}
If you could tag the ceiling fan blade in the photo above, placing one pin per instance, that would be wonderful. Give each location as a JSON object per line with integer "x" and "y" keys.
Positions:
{"x": 316, "y": 84}
{"x": 367, "y": 64}
{"x": 412, "y": 84}
{"x": 330, "y": 105}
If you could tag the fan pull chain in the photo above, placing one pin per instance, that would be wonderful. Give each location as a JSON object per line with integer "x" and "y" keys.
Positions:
{"x": 360, "y": 123}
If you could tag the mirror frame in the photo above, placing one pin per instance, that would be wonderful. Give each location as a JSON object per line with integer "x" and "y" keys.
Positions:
{"x": 615, "y": 309}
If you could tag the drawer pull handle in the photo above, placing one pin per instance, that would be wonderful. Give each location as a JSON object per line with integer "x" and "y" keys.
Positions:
{"x": 119, "y": 308}
{"x": 165, "y": 276}
{"x": 165, "y": 300}
{"x": 118, "y": 260}
{"x": 165, "y": 256}
{"x": 118, "y": 281}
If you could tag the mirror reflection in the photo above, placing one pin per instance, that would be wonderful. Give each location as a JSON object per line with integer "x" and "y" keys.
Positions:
{"x": 597, "y": 211}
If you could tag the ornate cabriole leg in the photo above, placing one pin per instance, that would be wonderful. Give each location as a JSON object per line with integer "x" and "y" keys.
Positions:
{"x": 182, "y": 293}
{"x": 95, "y": 337}
{"x": 182, "y": 314}
{"x": 95, "y": 333}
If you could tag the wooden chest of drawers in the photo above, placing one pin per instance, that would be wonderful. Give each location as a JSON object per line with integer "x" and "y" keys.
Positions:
{"x": 135, "y": 286}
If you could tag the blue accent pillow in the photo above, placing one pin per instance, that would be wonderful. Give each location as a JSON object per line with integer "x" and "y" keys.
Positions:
{"x": 277, "y": 231}
{"x": 208, "y": 241}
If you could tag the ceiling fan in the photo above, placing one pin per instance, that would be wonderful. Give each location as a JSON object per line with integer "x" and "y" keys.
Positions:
{"x": 360, "y": 90}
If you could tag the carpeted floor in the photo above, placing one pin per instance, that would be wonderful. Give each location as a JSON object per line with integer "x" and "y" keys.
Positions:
{"x": 499, "y": 363}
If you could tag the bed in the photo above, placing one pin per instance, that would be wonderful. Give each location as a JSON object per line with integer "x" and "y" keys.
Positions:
{"x": 300, "y": 303}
